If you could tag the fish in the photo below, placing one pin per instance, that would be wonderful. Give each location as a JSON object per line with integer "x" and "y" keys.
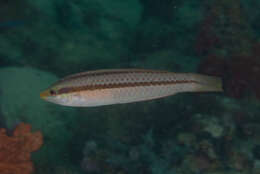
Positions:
{"x": 118, "y": 86}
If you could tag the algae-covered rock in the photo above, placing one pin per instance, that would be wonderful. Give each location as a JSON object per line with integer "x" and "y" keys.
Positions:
{"x": 78, "y": 10}
{"x": 20, "y": 102}
{"x": 20, "y": 94}
{"x": 99, "y": 33}
{"x": 189, "y": 14}
{"x": 77, "y": 35}
{"x": 127, "y": 11}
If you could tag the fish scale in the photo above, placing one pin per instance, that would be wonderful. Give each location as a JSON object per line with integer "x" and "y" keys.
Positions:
{"x": 119, "y": 78}
{"x": 104, "y": 87}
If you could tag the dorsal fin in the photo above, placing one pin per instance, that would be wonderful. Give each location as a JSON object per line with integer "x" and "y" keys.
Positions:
{"x": 110, "y": 71}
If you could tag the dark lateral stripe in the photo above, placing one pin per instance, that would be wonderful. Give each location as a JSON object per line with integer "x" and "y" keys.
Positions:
{"x": 120, "y": 85}
{"x": 111, "y": 72}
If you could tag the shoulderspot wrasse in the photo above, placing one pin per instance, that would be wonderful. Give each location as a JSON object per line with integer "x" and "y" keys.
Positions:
{"x": 105, "y": 87}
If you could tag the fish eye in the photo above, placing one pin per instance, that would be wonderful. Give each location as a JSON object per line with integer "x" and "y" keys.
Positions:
{"x": 52, "y": 92}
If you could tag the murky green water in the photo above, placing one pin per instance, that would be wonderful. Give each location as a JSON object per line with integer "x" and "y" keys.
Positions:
{"x": 189, "y": 133}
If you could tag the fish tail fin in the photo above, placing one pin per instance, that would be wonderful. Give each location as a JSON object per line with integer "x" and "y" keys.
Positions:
{"x": 209, "y": 83}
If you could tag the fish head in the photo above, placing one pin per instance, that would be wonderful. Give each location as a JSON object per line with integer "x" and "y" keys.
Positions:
{"x": 52, "y": 95}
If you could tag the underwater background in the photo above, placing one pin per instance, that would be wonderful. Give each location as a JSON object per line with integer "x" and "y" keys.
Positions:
{"x": 189, "y": 133}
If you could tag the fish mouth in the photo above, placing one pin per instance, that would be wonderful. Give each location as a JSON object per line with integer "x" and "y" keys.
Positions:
{"x": 44, "y": 94}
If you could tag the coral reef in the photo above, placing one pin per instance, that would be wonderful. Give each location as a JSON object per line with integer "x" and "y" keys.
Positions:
{"x": 240, "y": 74}
{"x": 225, "y": 30}
{"x": 124, "y": 158}
{"x": 225, "y": 40}
{"x": 15, "y": 150}
{"x": 211, "y": 125}
{"x": 207, "y": 142}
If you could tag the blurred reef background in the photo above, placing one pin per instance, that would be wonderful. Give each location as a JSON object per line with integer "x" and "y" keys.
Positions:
{"x": 209, "y": 133}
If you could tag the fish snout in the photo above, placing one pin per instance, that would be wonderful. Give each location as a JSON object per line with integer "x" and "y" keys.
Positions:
{"x": 44, "y": 94}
